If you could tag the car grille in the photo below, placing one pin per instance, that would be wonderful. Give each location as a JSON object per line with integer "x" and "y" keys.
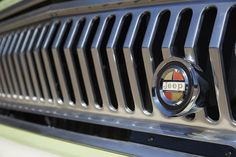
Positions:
{"x": 102, "y": 63}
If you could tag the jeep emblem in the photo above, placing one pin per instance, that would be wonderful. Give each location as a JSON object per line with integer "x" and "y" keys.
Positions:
{"x": 173, "y": 86}
{"x": 177, "y": 85}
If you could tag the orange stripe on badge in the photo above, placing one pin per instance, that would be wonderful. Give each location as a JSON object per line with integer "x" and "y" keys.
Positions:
{"x": 168, "y": 95}
{"x": 178, "y": 76}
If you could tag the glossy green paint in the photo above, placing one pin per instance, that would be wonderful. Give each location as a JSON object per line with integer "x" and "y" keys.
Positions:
{"x": 4, "y": 4}
{"x": 53, "y": 146}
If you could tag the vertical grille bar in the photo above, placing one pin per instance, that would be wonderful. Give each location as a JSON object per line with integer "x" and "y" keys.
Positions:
{"x": 49, "y": 65}
{"x": 70, "y": 61}
{"x": 192, "y": 36}
{"x": 8, "y": 66}
{"x": 190, "y": 47}
{"x": 59, "y": 63}
{"x": 31, "y": 61}
{"x": 151, "y": 47}
{"x": 40, "y": 66}
{"x": 128, "y": 51}
{"x": 167, "y": 46}
{"x": 1, "y": 70}
{"x": 216, "y": 59}
{"x": 11, "y": 67}
{"x": 5, "y": 66}
{"x": 98, "y": 62}
{"x": 113, "y": 63}
{"x": 25, "y": 69}
{"x": 18, "y": 66}
{"x": 4, "y": 82}
{"x": 84, "y": 63}
{"x": 147, "y": 47}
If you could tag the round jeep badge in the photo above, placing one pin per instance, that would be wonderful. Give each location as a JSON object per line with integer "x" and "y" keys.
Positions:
{"x": 173, "y": 86}
{"x": 178, "y": 88}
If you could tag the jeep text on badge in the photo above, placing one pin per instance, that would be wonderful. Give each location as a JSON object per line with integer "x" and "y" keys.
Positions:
{"x": 178, "y": 87}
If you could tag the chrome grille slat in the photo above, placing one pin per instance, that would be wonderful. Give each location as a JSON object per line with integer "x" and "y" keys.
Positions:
{"x": 5, "y": 55}
{"x": 129, "y": 60}
{"x": 40, "y": 66}
{"x": 167, "y": 46}
{"x": 147, "y": 46}
{"x": 12, "y": 67}
{"x": 170, "y": 37}
{"x": 84, "y": 63}
{"x": 190, "y": 48}
{"x": 5, "y": 65}
{"x": 192, "y": 36}
{"x": 71, "y": 63}
{"x": 95, "y": 49}
{"x": 32, "y": 68}
{"x": 115, "y": 72}
{"x": 4, "y": 83}
{"x": 25, "y": 66}
{"x": 17, "y": 66}
{"x": 48, "y": 64}
{"x": 58, "y": 63}
{"x": 218, "y": 66}
{"x": 201, "y": 117}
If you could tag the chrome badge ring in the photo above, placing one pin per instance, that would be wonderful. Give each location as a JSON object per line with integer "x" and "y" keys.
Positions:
{"x": 178, "y": 87}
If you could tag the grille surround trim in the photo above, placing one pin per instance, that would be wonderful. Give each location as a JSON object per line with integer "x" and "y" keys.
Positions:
{"x": 162, "y": 128}
{"x": 214, "y": 50}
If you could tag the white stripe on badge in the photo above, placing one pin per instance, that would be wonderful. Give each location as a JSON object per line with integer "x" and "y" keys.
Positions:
{"x": 173, "y": 86}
